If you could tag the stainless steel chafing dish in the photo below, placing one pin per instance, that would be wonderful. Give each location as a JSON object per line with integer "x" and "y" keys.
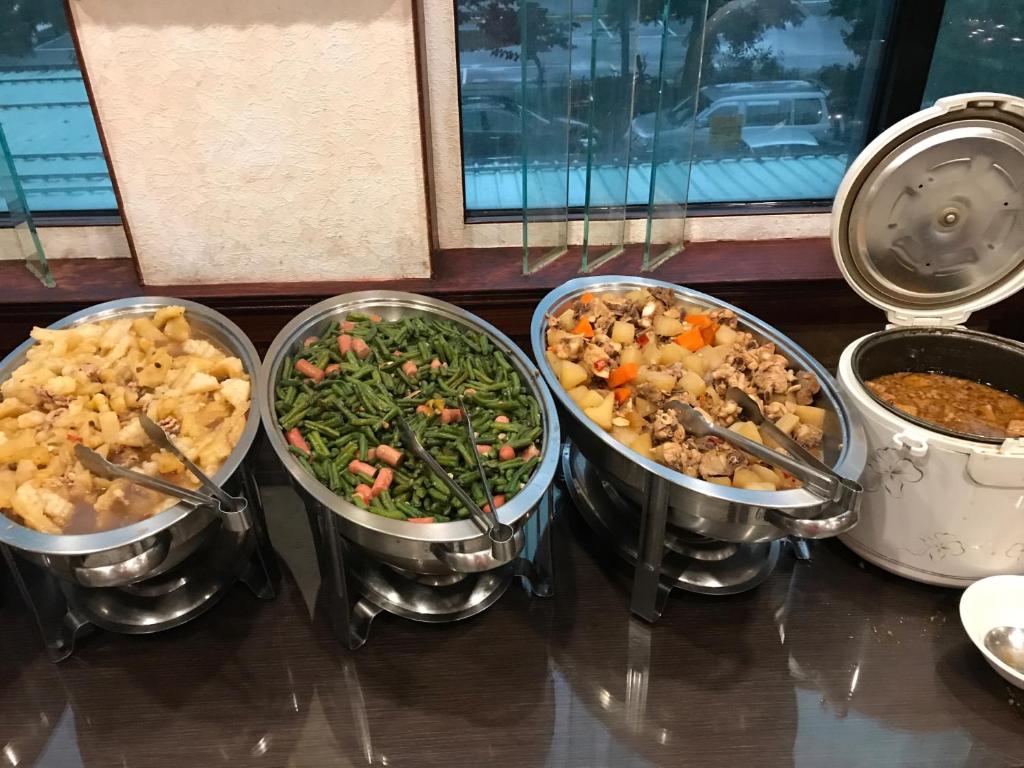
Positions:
{"x": 153, "y": 546}
{"x": 438, "y": 549}
{"x": 719, "y": 512}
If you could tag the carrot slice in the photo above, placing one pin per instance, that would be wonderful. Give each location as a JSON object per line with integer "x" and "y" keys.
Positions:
{"x": 701, "y": 321}
{"x": 419, "y": 519}
{"x": 587, "y": 297}
{"x": 622, "y": 375}
{"x": 584, "y": 328}
{"x": 309, "y": 370}
{"x": 642, "y": 340}
{"x": 622, "y": 394}
{"x": 708, "y": 333}
{"x": 690, "y": 339}
{"x": 295, "y": 438}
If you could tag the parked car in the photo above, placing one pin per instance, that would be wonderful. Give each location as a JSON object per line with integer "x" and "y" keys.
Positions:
{"x": 751, "y": 117}
{"x": 492, "y": 130}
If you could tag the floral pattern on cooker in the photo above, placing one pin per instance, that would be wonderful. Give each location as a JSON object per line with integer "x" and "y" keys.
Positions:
{"x": 939, "y": 546}
{"x": 891, "y": 469}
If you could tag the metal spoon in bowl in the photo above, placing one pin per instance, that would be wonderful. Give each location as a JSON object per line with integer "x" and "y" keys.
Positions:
{"x": 823, "y": 482}
{"x": 501, "y": 535}
{"x": 1007, "y": 645}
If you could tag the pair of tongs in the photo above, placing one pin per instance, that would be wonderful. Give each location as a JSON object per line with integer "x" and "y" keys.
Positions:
{"x": 233, "y": 509}
{"x": 801, "y": 463}
{"x": 501, "y": 535}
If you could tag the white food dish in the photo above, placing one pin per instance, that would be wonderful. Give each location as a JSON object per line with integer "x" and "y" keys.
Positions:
{"x": 997, "y": 601}
{"x": 927, "y": 232}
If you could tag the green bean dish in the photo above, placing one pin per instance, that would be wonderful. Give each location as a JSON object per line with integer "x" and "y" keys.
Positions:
{"x": 337, "y": 398}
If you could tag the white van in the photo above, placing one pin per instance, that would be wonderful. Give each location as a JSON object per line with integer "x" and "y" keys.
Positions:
{"x": 757, "y": 115}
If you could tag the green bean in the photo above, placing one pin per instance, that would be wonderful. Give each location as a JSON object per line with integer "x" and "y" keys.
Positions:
{"x": 347, "y": 412}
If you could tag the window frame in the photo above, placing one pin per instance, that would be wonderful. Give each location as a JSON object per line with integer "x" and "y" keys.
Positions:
{"x": 903, "y": 70}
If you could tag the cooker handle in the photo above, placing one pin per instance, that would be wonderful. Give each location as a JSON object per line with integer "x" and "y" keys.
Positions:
{"x": 126, "y": 571}
{"x": 813, "y": 528}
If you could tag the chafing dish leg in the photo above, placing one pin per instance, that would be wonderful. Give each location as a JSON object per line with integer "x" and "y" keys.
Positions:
{"x": 535, "y": 567}
{"x": 649, "y": 593}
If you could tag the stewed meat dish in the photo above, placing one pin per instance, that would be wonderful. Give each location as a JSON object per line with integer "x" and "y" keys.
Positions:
{"x": 623, "y": 356}
{"x": 953, "y": 403}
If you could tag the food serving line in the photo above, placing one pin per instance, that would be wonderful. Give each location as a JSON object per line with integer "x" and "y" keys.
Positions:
{"x": 365, "y": 400}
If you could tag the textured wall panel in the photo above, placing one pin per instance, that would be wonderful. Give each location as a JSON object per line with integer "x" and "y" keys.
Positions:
{"x": 262, "y": 140}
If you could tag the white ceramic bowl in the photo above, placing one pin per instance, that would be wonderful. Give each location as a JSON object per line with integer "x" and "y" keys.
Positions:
{"x": 997, "y": 601}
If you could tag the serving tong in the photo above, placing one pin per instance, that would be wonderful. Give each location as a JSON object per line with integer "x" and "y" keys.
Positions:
{"x": 801, "y": 463}
{"x": 232, "y": 509}
{"x": 501, "y": 535}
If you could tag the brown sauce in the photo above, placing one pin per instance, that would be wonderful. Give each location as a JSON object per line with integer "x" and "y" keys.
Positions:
{"x": 953, "y": 403}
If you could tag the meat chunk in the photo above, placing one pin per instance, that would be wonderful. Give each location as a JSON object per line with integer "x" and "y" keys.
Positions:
{"x": 666, "y": 426}
{"x": 597, "y": 361}
{"x": 721, "y": 462}
{"x": 808, "y": 436}
{"x": 806, "y": 388}
{"x": 680, "y": 457}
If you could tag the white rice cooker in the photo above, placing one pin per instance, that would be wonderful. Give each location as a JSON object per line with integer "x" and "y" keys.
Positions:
{"x": 928, "y": 225}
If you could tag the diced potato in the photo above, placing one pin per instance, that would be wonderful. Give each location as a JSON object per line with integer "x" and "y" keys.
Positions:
{"x": 638, "y": 295}
{"x": 602, "y": 414}
{"x": 636, "y": 421}
{"x": 12, "y": 407}
{"x": 571, "y": 374}
{"x": 725, "y": 335}
{"x": 720, "y": 481}
{"x": 672, "y": 353}
{"x": 631, "y": 354}
{"x": 651, "y": 353}
{"x": 666, "y": 382}
{"x": 748, "y": 429}
{"x": 17, "y": 448}
{"x": 714, "y": 356}
{"x": 760, "y": 487}
{"x": 743, "y": 477}
{"x": 694, "y": 363}
{"x": 228, "y": 368}
{"x": 767, "y": 474}
{"x": 643, "y": 445}
{"x": 164, "y": 314}
{"x": 8, "y": 485}
{"x": 692, "y": 383}
{"x": 592, "y": 399}
{"x": 110, "y": 426}
{"x": 787, "y": 423}
{"x": 625, "y": 435}
{"x": 812, "y": 415}
{"x": 577, "y": 393}
{"x": 643, "y": 407}
{"x": 556, "y": 367}
{"x": 667, "y": 326}
{"x": 148, "y": 330}
{"x": 623, "y": 332}
{"x": 567, "y": 320}
{"x": 177, "y": 329}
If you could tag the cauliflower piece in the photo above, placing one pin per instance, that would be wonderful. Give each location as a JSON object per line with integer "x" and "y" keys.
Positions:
{"x": 199, "y": 348}
{"x": 43, "y": 510}
{"x": 31, "y": 419}
{"x": 201, "y": 382}
{"x": 60, "y": 385}
{"x": 132, "y": 434}
{"x": 236, "y": 392}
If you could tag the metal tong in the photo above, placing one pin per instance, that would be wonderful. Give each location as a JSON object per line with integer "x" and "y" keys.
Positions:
{"x": 816, "y": 476}
{"x": 233, "y": 509}
{"x": 501, "y": 535}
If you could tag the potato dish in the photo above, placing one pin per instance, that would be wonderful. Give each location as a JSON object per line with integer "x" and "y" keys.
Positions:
{"x": 89, "y": 384}
{"x": 622, "y": 356}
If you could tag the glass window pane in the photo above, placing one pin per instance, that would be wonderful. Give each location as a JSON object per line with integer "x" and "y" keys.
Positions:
{"x": 45, "y": 111}
{"x": 980, "y": 48}
{"x": 787, "y": 85}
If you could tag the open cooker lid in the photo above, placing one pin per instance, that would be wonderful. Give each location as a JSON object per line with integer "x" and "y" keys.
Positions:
{"x": 928, "y": 223}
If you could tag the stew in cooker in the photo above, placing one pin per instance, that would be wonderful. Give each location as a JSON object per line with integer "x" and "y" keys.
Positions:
{"x": 953, "y": 403}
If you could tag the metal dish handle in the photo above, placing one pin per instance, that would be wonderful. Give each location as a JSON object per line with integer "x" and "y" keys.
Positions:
{"x": 813, "y": 528}
{"x": 126, "y": 571}
{"x": 480, "y": 560}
